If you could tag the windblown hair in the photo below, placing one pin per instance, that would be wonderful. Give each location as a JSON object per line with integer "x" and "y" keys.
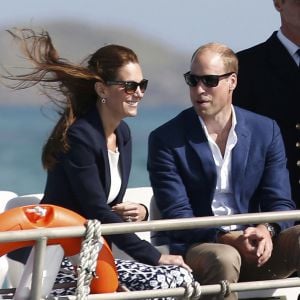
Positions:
{"x": 229, "y": 58}
{"x": 75, "y": 83}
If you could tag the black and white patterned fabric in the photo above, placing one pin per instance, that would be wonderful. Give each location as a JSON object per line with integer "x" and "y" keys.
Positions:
{"x": 65, "y": 279}
{"x": 133, "y": 275}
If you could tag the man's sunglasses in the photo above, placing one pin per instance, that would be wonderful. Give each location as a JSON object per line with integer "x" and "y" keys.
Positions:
{"x": 208, "y": 80}
{"x": 130, "y": 87}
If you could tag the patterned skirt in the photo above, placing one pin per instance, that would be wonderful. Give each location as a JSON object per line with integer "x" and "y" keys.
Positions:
{"x": 133, "y": 275}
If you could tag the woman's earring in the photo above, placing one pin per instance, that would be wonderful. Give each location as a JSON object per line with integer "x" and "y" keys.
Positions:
{"x": 102, "y": 100}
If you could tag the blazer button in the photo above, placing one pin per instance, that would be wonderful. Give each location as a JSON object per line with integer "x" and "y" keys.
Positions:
{"x": 298, "y": 145}
{"x": 298, "y": 163}
{"x": 298, "y": 126}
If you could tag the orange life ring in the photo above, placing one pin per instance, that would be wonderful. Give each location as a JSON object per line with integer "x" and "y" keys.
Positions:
{"x": 25, "y": 217}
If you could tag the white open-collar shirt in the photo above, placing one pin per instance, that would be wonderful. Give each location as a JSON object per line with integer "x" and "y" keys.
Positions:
{"x": 223, "y": 203}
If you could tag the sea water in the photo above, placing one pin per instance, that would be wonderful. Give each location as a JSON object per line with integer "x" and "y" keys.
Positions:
{"x": 24, "y": 130}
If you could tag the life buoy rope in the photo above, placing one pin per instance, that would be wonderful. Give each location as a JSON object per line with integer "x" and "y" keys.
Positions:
{"x": 49, "y": 216}
{"x": 90, "y": 247}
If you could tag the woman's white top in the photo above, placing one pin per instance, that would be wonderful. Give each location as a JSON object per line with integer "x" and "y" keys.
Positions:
{"x": 115, "y": 175}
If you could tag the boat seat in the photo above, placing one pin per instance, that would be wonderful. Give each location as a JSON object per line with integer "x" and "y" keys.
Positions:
{"x": 15, "y": 267}
{"x": 141, "y": 195}
{"x": 5, "y": 196}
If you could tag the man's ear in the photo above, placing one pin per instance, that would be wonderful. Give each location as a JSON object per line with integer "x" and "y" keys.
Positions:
{"x": 233, "y": 82}
{"x": 277, "y": 4}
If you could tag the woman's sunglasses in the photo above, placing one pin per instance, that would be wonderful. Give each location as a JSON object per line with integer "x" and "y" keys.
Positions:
{"x": 208, "y": 80}
{"x": 130, "y": 87}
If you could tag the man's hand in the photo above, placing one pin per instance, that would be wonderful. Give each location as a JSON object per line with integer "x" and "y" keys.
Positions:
{"x": 254, "y": 244}
{"x": 264, "y": 245}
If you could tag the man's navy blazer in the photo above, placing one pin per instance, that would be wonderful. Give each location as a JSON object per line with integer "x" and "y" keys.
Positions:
{"x": 80, "y": 180}
{"x": 183, "y": 173}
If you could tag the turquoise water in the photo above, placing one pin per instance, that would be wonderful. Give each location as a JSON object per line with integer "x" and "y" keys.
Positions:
{"x": 23, "y": 131}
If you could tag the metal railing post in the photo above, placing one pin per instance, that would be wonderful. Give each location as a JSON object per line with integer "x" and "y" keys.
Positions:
{"x": 38, "y": 265}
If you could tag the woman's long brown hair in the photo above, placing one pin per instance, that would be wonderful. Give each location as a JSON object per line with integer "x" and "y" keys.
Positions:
{"x": 75, "y": 83}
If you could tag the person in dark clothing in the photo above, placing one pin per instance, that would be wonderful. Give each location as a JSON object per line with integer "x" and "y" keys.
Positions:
{"x": 269, "y": 83}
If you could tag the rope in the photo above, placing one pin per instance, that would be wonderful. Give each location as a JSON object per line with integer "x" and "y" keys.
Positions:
{"x": 225, "y": 288}
{"x": 192, "y": 291}
{"x": 90, "y": 248}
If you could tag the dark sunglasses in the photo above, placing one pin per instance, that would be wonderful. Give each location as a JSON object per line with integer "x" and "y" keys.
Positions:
{"x": 207, "y": 80}
{"x": 130, "y": 87}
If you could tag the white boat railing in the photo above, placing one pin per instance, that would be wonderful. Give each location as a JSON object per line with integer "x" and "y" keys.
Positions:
{"x": 42, "y": 235}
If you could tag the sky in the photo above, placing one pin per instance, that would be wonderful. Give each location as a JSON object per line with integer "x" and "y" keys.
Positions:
{"x": 183, "y": 25}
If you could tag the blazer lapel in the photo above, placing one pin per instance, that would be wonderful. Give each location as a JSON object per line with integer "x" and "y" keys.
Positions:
{"x": 199, "y": 143}
{"x": 240, "y": 155}
{"x": 122, "y": 159}
{"x": 97, "y": 124}
{"x": 285, "y": 68}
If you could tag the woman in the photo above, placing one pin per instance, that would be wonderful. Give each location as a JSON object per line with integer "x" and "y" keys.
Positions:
{"x": 88, "y": 153}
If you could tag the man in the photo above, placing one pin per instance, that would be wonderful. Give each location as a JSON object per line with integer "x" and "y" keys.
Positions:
{"x": 269, "y": 83}
{"x": 217, "y": 159}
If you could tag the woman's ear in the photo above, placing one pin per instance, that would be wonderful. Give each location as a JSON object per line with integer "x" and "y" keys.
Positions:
{"x": 100, "y": 89}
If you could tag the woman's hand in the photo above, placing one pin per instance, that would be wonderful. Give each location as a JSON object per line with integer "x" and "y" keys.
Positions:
{"x": 177, "y": 260}
{"x": 130, "y": 211}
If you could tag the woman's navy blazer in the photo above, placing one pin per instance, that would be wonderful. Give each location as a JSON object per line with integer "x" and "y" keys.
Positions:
{"x": 80, "y": 180}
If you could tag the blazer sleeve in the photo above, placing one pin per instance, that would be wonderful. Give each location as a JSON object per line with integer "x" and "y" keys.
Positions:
{"x": 85, "y": 169}
{"x": 274, "y": 191}
{"x": 169, "y": 189}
